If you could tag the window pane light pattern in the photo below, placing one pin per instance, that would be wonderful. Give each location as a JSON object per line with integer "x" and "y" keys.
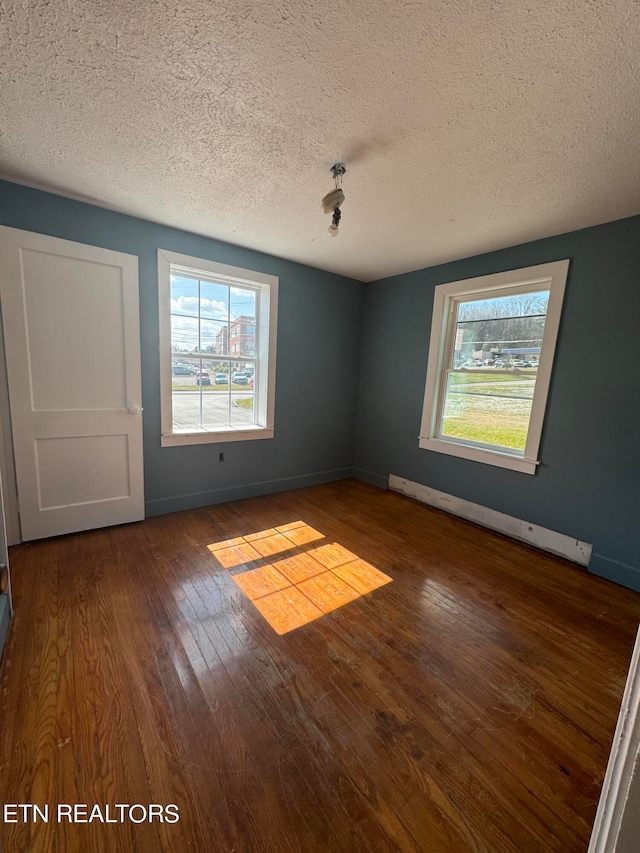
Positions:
{"x": 298, "y": 580}
{"x": 214, "y": 328}
{"x": 491, "y": 371}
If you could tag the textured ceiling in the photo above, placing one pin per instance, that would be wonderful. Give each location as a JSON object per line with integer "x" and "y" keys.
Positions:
{"x": 466, "y": 126}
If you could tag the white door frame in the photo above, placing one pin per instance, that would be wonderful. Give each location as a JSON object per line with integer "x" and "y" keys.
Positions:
{"x": 7, "y": 463}
{"x": 617, "y": 824}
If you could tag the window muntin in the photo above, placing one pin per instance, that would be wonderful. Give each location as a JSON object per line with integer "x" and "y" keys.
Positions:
{"x": 490, "y": 359}
{"x": 203, "y": 402}
{"x": 217, "y": 351}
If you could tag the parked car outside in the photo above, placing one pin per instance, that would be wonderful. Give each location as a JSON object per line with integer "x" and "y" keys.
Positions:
{"x": 202, "y": 378}
{"x": 221, "y": 378}
{"x": 183, "y": 370}
{"x": 241, "y": 378}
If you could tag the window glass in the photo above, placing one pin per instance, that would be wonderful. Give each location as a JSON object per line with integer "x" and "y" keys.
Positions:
{"x": 493, "y": 369}
{"x": 217, "y": 351}
{"x": 491, "y": 354}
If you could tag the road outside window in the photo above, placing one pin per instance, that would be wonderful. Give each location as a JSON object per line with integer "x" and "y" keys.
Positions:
{"x": 490, "y": 358}
{"x": 218, "y": 349}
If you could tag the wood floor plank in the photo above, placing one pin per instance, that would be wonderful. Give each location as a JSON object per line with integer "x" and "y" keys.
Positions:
{"x": 467, "y": 704}
{"x": 260, "y": 582}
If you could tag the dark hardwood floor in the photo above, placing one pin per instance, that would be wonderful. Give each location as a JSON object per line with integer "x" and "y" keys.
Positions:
{"x": 468, "y": 705}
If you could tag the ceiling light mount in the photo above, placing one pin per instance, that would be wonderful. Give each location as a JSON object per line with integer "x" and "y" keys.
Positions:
{"x": 338, "y": 170}
{"x": 332, "y": 200}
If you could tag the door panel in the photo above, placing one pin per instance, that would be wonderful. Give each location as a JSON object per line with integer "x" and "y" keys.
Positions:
{"x": 62, "y": 464}
{"x": 71, "y": 327}
{"x": 74, "y": 326}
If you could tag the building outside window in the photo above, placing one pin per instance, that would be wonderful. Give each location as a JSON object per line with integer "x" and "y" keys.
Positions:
{"x": 491, "y": 354}
{"x": 217, "y": 351}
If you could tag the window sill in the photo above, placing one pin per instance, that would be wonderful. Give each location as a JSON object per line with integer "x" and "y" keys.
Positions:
{"x": 175, "y": 439}
{"x": 479, "y": 454}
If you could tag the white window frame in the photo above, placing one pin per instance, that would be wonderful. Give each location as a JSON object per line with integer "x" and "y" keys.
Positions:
{"x": 266, "y": 287}
{"x": 551, "y": 276}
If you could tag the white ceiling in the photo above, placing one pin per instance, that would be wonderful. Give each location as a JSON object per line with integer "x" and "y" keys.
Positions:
{"x": 465, "y": 126}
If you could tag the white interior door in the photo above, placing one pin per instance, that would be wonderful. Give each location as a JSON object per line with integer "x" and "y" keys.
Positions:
{"x": 72, "y": 345}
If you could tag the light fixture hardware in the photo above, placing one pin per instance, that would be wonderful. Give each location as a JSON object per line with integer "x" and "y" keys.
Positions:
{"x": 338, "y": 170}
{"x": 332, "y": 200}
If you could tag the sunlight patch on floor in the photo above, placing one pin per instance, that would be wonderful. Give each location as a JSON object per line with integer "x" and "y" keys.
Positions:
{"x": 295, "y": 590}
{"x": 265, "y": 543}
{"x": 287, "y": 604}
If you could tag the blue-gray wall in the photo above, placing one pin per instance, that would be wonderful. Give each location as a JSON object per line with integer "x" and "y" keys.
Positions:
{"x": 588, "y": 484}
{"x": 319, "y": 331}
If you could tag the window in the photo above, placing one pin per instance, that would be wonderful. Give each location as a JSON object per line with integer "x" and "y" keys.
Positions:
{"x": 490, "y": 359}
{"x": 217, "y": 351}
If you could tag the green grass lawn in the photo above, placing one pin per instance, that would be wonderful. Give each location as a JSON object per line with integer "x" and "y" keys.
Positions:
{"x": 245, "y": 403}
{"x": 519, "y": 388}
{"x": 523, "y": 392}
{"x": 513, "y": 435}
{"x": 177, "y": 386}
{"x": 490, "y": 406}
{"x": 496, "y": 413}
{"x": 494, "y": 376}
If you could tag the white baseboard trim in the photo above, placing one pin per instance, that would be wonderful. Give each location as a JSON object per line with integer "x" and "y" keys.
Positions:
{"x": 547, "y": 540}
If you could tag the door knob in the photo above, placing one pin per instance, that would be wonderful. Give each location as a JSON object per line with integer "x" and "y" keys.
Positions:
{"x": 133, "y": 409}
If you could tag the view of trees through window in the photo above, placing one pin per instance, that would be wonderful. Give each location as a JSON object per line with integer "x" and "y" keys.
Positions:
{"x": 492, "y": 368}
